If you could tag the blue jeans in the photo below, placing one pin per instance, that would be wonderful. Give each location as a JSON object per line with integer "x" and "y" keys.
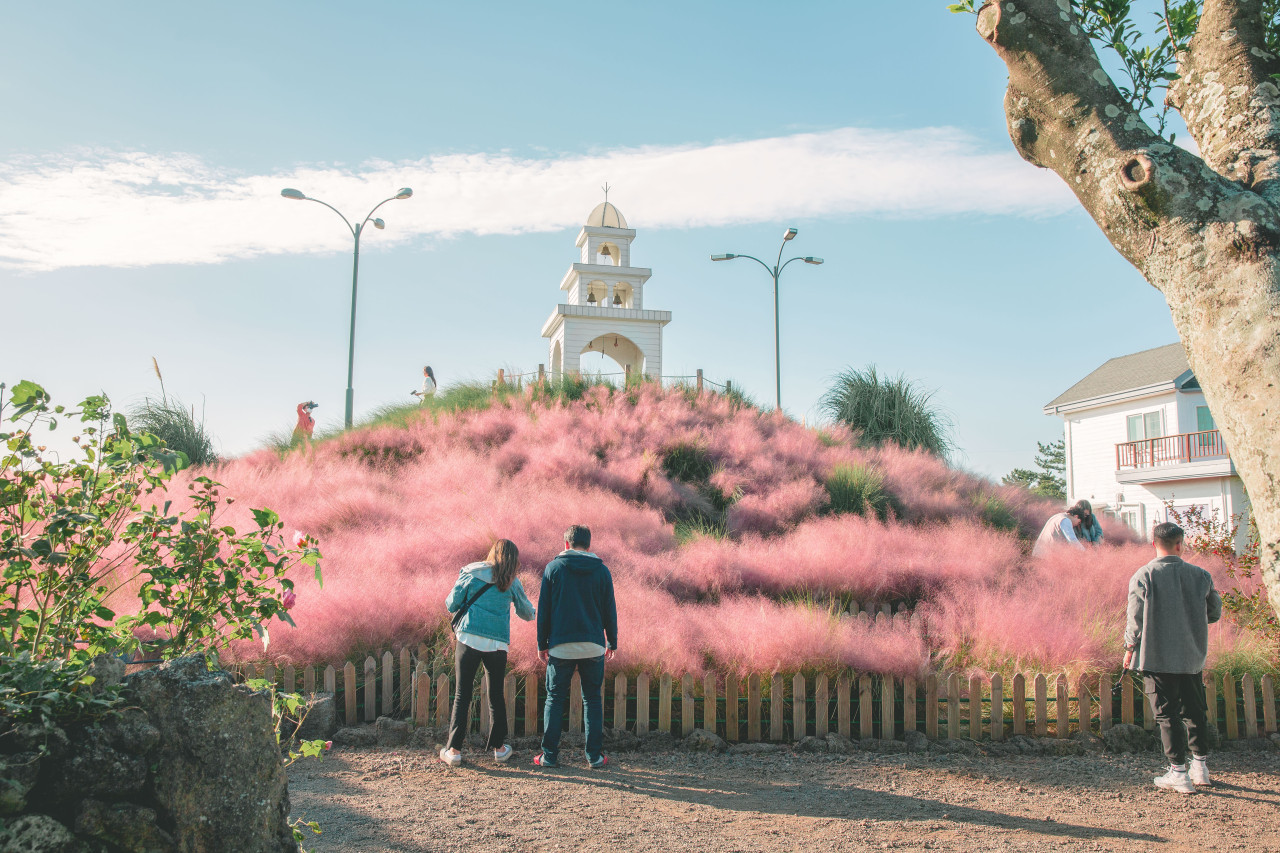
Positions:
{"x": 559, "y": 679}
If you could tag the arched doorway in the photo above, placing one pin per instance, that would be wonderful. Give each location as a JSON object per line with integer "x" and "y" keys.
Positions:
{"x": 611, "y": 354}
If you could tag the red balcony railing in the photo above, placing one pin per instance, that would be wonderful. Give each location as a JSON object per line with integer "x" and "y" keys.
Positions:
{"x": 1170, "y": 450}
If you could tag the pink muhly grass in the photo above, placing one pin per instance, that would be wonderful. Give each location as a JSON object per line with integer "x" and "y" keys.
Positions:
{"x": 778, "y": 509}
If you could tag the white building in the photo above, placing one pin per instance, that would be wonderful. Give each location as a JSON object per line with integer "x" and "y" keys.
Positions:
{"x": 604, "y": 303}
{"x": 1140, "y": 436}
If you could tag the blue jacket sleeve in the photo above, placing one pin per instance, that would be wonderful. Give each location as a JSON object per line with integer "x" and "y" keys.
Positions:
{"x": 610, "y": 611}
{"x": 458, "y": 594}
{"x": 544, "y": 611}
{"x": 524, "y": 607}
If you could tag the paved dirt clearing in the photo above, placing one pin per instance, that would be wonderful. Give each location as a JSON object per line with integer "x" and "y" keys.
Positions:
{"x": 403, "y": 800}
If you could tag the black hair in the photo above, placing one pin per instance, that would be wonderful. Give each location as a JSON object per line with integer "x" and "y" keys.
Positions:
{"x": 1167, "y": 534}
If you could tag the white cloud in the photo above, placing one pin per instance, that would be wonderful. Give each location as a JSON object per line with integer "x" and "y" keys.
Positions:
{"x": 135, "y": 209}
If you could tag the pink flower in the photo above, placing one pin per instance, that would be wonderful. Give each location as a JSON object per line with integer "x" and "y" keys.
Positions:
{"x": 328, "y": 744}
{"x": 299, "y": 539}
{"x": 289, "y": 599}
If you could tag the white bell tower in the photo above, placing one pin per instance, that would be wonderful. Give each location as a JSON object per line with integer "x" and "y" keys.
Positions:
{"x": 604, "y": 306}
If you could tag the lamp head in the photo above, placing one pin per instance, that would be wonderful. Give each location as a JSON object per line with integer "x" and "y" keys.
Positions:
{"x": 379, "y": 224}
{"x": 293, "y": 194}
{"x": 723, "y": 257}
{"x": 790, "y": 235}
{"x": 817, "y": 262}
{"x": 404, "y": 193}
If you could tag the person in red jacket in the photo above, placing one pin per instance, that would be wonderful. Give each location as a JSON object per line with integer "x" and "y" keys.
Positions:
{"x": 306, "y": 424}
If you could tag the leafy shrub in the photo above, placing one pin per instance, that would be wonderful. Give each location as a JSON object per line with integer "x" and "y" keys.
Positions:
{"x": 688, "y": 461}
{"x": 174, "y": 424}
{"x": 883, "y": 409}
{"x": 994, "y": 512}
{"x": 859, "y": 489}
{"x": 48, "y": 694}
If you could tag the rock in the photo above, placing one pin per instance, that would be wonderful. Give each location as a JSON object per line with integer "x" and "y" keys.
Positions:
{"x": 756, "y": 748}
{"x": 1274, "y": 737}
{"x": 1002, "y": 748}
{"x": 888, "y": 746}
{"x": 37, "y": 833}
{"x": 423, "y": 738}
{"x": 1026, "y": 745}
{"x": 355, "y": 736}
{"x": 915, "y": 741}
{"x": 1089, "y": 741}
{"x": 1061, "y": 746}
{"x": 813, "y": 744}
{"x": 321, "y": 720}
{"x": 701, "y": 740}
{"x": 953, "y": 745}
{"x": 95, "y": 768}
{"x": 391, "y": 732}
{"x": 29, "y": 737}
{"x": 18, "y": 775}
{"x": 657, "y": 742}
{"x": 218, "y": 776}
{"x": 107, "y": 671}
{"x": 127, "y": 826}
{"x": 1126, "y": 737}
{"x": 616, "y": 740}
{"x": 840, "y": 744}
{"x": 131, "y": 732}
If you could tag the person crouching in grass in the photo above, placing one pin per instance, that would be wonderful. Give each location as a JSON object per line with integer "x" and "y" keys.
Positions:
{"x": 484, "y": 593}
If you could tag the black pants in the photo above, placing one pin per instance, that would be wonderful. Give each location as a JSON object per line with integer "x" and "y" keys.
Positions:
{"x": 466, "y": 662}
{"x": 1181, "y": 713}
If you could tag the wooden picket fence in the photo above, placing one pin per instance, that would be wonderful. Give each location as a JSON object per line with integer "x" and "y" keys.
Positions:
{"x": 784, "y": 708}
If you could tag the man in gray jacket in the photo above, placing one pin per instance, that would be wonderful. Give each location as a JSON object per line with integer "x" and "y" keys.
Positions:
{"x": 1171, "y": 604}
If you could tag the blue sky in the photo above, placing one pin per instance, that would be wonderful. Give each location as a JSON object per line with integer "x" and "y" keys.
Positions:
{"x": 145, "y": 145}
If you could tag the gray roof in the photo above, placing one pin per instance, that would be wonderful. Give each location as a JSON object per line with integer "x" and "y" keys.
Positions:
{"x": 1129, "y": 373}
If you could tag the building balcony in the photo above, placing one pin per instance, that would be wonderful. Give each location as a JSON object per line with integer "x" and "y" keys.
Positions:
{"x": 1186, "y": 456}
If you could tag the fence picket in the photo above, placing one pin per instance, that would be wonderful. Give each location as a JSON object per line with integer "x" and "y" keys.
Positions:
{"x": 975, "y": 707}
{"x": 953, "y": 705}
{"x": 389, "y": 684}
{"x": 997, "y": 707}
{"x": 799, "y": 722}
{"x": 269, "y": 673}
{"x": 1064, "y": 706}
{"x": 844, "y": 701}
{"x": 686, "y": 705}
{"x": 509, "y": 699}
{"x": 931, "y": 706}
{"x": 1229, "y": 703}
{"x": 370, "y": 689}
{"x": 910, "y": 722}
{"x": 1211, "y": 698}
{"x": 1269, "y": 703}
{"x": 1148, "y": 711}
{"x": 1042, "y": 705}
{"x": 620, "y": 702}
{"x": 331, "y": 681}
{"x": 753, "y": 708}
{"x": 290, "y": 679}
{"x": 1104, "y": 703}
{"x": 406, "y": 670}
{"x": 709, "y": 721}
{"x": 777, "y": 708}
{"x": 531, "y": 682}
{"x": 642, "y": 703}
{"x": 444, "y": 693}
{"x": 821, "y": 705}
{"x": 575, "y": 704}
{"x": 731, "y": 732}
{"x": 422, "y": 697}
{"x": 309, "y": 680}
{"x": 1126, "y": 698}
{"x": 664, "y": 704}
{"x": 866, "y": 713}
{"x": 1250, "y": 706}
{"x": 887, "y": 728}
{"x": 349, "y": 692}
{"x": 1019, "y": 704}
{"x": 1084, "y": 701}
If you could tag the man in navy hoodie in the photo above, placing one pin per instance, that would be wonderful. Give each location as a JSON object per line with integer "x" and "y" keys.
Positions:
{"x": 577, "y": 630}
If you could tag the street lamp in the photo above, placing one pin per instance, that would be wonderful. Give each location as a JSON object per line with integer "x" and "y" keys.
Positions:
{"x": 775, "y": 272}
{"x": 356, "y": 230}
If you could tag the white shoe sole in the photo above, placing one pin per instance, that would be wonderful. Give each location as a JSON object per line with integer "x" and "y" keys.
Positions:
{"x": 1169, "y": 786}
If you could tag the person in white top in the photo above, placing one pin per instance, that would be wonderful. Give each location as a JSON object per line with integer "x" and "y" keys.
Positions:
{"x": 428, "y": 388}
{"x": 1061, "y": 528}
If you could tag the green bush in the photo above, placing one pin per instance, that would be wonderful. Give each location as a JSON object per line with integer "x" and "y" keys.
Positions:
{"x": 688, "y": 462}
{"x": 882, "y": 409}
{"x": 860, "y": 490}
{"x": 996, "y": 513}
{"x": 174, "y": 424}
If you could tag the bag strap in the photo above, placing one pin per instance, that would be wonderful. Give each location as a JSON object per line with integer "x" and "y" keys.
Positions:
{"x": 457, "y": 617}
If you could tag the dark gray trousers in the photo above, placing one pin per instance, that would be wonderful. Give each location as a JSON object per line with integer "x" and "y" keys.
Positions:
{"x": 1181, "y": 713}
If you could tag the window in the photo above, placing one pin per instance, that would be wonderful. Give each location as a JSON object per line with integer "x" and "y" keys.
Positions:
{"x": 1146, "y": 425}
{"x": 1204, "y": 419}
{"x": 1133, "y": 516}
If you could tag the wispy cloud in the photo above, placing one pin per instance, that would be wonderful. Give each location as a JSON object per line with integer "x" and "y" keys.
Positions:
{"x": 134, "y": 209}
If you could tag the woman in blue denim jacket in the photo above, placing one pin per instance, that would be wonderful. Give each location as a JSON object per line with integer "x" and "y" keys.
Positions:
{"x": 484, "y": 635}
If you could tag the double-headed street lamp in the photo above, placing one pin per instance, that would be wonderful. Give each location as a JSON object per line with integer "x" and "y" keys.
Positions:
{"x": 775, "y": 271}
{"x": 355, "y": 272}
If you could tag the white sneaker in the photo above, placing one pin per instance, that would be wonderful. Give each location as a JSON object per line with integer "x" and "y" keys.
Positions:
{"x": 1176, "y": 780}
{"x": 449, "y": 757}
{"x": 501, "y": 755}
{"x": 1198, "y": 770}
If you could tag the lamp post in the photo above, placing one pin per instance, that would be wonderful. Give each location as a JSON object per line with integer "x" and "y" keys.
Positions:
{"x": 356, "y": 230}
{"x": 775, "y": 272}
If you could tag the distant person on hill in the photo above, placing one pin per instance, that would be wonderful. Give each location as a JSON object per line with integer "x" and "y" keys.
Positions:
{"x": 306, "y": 424}
{"x": 1090, "y": 530}
{"x": 481, "y": 601}
{"x": 1061, "y": 527}
{"x": 1171, "y": 604}
{"x": 428, "y": 388}
{"x": 577, "y": 630}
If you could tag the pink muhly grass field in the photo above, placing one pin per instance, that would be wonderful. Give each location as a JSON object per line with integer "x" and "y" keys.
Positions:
{"x": 398, "y": 510}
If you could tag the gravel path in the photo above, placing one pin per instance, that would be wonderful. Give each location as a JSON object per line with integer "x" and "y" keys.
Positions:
{"x": 369, "y": 800}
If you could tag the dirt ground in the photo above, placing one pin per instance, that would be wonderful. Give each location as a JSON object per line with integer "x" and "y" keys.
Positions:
{"x": 375, "y": 799}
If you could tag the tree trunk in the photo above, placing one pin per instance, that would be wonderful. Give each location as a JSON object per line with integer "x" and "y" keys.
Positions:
{"x": 1203, "y": 231}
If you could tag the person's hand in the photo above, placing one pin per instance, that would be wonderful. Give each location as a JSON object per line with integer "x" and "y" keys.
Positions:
{"x": 609, "y": 653}
{"x": 544, "y": 655}
{"x": 1128, "y": 659}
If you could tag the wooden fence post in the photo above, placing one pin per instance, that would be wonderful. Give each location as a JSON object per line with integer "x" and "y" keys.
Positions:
{"x": 509, "y": 699}
{"x": 731, "y": 732}
{"x": 542, "y": 373}
{"x": 444, "y": 693}
{"x": 821, "y": 706}
{"x": 575, "y": 704}
{"x": 975, "y": 707}
{"x": 642, "y": 703}
{"x": 1229, "y": 702}
{"x": 686, "y": 705}
{"x": 270, "y": 673}
{"x": 370, "y": 689}
{"x": 531, "y": 682}
{"x": 1104, "y": 703}
{"x": 349, "y": 692}
{"x": 1042, "y": 705}
{"x": 389, "y": 684}
{"x": 844, "y": 702}
{"x": 309, "y": 680}
{"x": 910, "y": 721}
{"x": 1250, "y": 706}
{"x": 620, "y": 702}
{"x": 1085, "y": 702}
{"x": 709, "y": 721}
{"x": 664, "y": 704}
{"x": 699, "y": 380}
{"x": 777, "y": 708}
{"x": 1064, "y": 706}
{"x": 997, "y": 707}
{"x": 1019, "y": 704}
{"x": 953, "y": 706}
{"x": 406, "y": 670}
{"x": 1269, "y": 703}
{"x": 866, "y": 710}
{"x": 931, "y": 706}
{"x": 753, "y": 707}
{"x": 422, "y": 706}
{"x": 887, "y": 728}
{"x": 799, "y": 722}
{"x": 290, "y": 679}
{"x": 482, "y": 697}
{"x": 1211, "y": 698}
{"x": 1126, "y": 698}
{"x": 331, "y": 681}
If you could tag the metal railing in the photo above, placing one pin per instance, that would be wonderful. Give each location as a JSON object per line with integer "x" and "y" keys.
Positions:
{"x": 1170, "y": 450}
